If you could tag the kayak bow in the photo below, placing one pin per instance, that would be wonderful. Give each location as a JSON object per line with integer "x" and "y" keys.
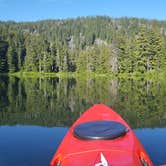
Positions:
{"x": 100, "y": 137}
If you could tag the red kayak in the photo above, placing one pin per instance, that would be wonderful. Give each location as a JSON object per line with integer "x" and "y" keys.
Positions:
{"x": 100, "y": 137}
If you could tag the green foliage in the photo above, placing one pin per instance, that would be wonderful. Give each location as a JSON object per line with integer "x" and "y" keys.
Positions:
{"x": 91, "y": 44}
{"x": 149, "y": 50}
{"x": 12, "y": 60}
{"x": 3, "y": 56}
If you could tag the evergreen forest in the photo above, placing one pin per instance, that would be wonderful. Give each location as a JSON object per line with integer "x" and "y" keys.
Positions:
{"x": 98, "y": 44}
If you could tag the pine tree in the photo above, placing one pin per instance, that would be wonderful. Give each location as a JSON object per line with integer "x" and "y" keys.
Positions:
{"x": 156, "y": 50}
{"x": 3, "y": 56}
{"x": 53, "y": 57}
{"x": 148, "y": 49}
{"x": 141, "y": 51}
{"x": 12, "y": 57}
{"x": 12, "y": 60}
{"x": 82, "y": 61}
{"x": 33, "y": 54}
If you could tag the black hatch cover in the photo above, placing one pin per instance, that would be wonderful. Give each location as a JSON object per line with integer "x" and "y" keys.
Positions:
{"x": 99, "y": 130}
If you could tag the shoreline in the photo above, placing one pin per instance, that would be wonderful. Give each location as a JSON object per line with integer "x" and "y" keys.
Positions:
{"x": 154, "y": 75}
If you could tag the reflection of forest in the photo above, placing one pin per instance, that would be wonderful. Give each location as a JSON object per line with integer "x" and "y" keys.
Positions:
{"x": 59, "y": 102}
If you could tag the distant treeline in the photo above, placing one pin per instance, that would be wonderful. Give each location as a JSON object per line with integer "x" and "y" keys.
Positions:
{"x": 86, "y": 44}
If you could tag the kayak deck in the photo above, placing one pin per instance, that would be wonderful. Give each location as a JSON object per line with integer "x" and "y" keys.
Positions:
{"x": 122, "y": 150}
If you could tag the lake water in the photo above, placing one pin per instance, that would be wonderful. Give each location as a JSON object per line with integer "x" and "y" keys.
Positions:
{"x": 35, "y": 114}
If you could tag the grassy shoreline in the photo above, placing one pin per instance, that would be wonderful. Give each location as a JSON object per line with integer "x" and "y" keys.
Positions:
{"x": 151, "y": 75}
{"x": 59, "y": 74}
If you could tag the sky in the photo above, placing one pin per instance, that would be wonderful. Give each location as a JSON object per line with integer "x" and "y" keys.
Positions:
{"x": 34, "y": 10}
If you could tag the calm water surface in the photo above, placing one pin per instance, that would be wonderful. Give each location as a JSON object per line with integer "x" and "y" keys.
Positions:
{"x": 35, "y": 114}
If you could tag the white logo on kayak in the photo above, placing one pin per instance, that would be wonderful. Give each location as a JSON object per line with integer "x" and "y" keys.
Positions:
{"x": 103, "y": 161}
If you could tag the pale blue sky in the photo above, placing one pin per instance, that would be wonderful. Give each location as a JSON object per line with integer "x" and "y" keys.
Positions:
{"x": 33, "y": 10}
